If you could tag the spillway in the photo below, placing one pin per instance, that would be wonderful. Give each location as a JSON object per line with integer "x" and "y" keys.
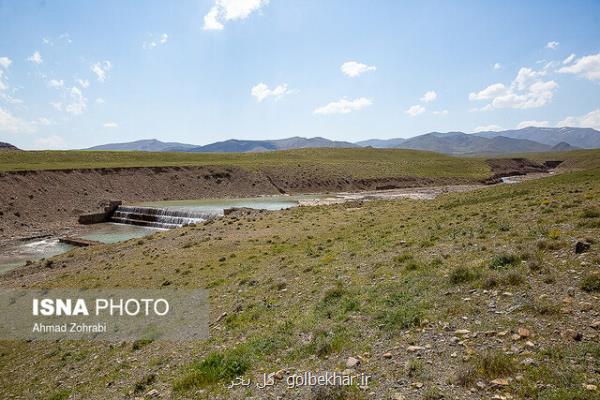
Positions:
{"x": 157, "y": 217}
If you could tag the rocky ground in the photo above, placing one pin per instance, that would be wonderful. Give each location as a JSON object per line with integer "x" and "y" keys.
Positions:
{"x": 485, "y": 294}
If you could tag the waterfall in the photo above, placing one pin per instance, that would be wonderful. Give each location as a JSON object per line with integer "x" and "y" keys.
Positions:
{"x": 157, "y": 217}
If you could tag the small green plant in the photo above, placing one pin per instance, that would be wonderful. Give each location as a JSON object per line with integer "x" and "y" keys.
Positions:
{"x": 216, "y": 367}
{"x": 503, "y": 261}
{"x": 590, "y": 213}
{"x": 402, "y": 311}
{"x": 60, "y": 395}
{"x": 462, "y": 274}
{"x": 553, "y": 234}
{"x": 591, "y": 282}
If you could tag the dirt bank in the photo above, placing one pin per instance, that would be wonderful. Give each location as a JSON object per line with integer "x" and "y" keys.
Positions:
{"x": 503, "y": 167}
{"x": 33, "y": 202}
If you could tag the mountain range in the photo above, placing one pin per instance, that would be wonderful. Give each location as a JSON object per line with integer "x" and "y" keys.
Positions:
{"x": 531, "y": 139}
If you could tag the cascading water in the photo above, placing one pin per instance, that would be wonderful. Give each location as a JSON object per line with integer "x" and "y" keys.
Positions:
{"x": 157, "y": 217}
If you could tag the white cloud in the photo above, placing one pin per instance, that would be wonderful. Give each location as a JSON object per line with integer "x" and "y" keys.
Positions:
{"x": 415, "y": 110}
{"x": 56, "y": 84}
{"x": 589, "y": 120}
{"x": 100, "y": 100}
{"x": 497, "y": 66}
{"x": 110, "y": 125}
{"x": 442, "y": 112}
{"x": 43, "y": 121}
{"x": 5, "y": 62}
{"x": 344, "y": 106}
{"x": 526, "y": 124}
{"x": 101, "y": 69}
{"x": 51, "y": 143}
{"x": 486, "y": 128}
{"x": 569, "y": 59}
{"x": 211, "y": 20}
{"x": 429, "y": 96}
{"x": 230, "y": 10}
{"x": 489, "y": 92}
{"x": 527, "y": 90}
{"x": 57, "y": 105}
{"x": 588, "y": 67}
{"x": 10, "y": 123}
{"x": 36, "y": 58}
{"x": 552, "y": 45}
{"x": 154, "y": 43}
{"x": 354, "y": 69}
{"x": 78, "y": 102}
{"x": 3, "y": 86}
{"x": 84, "y": 83}
{"x": 262, "y": 91}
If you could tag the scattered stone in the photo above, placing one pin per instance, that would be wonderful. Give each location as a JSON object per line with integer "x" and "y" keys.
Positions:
{"x": 500, "y": 382}
{"x": 528, "y": 361}
{"x": 462, "y": 332}
{"x": 454, "y": 355}
{"x": 581, "y": 247}
{"x": 221, "y": 317}
{"x": 515, "y": 336}
{"x": 585, "y": 306}
{"x": 530, "y": 344}
{"x": 590, "y": 387}
{"x": 387, "y": 355}
{"x": 595, "y": 324}
{"x": 418, "y": 385}
{"x": 152, "y": 393}
{"x": 352, "y": 362}
{"x": 414, "y": 349}
{"x": 572, "y": 334}
{"x": 524, "y": 333}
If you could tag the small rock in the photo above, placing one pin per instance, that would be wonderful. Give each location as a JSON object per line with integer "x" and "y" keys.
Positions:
{"x": 585, "y": 306}
{"x": 595, "y": 324}
{"x": 414, "y": 349}
{"x": 387, "y": 355}
{"x": 278, "y": 375}
{"x": 528, "y": 362}
{"x": 530, "y": 344}
{"x": 418, "y": 385}
{"x": 515, "y": 336}
{"x": 572, "y": 334}
{"x": 590, "y": 387}
{"x": 500, "y": 382}
{"x": 152, "y": 393}
{"x": 454, "y": 355}
{"x": 352, "y": 362}
{"x": 524, "y": 333}
{"x": 462, "y": 332}
{"x": 581, "y": 247}
{"x": 397, "y": 396}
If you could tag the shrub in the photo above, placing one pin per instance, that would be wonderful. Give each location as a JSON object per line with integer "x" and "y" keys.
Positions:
{"x": 591, "y": 282}
{"x": 503, "y": 261}
{"x": 553, "y": 234}
{"x": 462, "y": 275}
{"x": 590, "y": 213}
{"x": 402, "y": 312}
{"x": 216, "y": 367}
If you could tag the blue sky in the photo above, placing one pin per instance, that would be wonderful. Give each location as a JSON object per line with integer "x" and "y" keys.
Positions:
{"x": 77, "y": 74}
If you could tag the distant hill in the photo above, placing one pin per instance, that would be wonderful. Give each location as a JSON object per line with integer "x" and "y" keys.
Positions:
{"x": 564, "y": 146}
{"x": 586, "y": 138}
{"x": 239, "y": 146}
{"x": 524, "y": 140}
{"x": 143, "y": 145}
{"x": 462, "y": 143}
{"x": 7, "y": 146}
{"x": 382, "y": 143}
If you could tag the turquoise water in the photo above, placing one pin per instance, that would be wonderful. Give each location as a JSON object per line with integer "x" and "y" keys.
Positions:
{"x": 114, "y": 233}
{"x": 217, "y": 206}
{"x": 17, "y": 254}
